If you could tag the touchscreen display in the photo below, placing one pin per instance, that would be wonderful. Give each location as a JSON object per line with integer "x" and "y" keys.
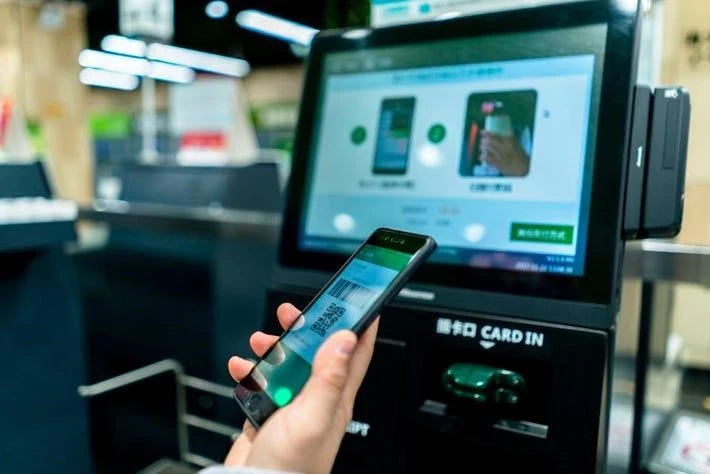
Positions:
{"x": 484, "y": 143}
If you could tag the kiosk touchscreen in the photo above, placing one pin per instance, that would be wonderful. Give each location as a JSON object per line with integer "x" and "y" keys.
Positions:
{"x": 504, "y": 136}
{"x": 489, "y": 139}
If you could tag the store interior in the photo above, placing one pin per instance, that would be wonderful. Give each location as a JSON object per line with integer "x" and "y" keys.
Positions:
{"x": 172, "y": 172}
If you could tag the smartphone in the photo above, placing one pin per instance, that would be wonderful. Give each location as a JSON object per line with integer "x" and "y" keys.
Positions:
{"x": 351, "y": 299}
{"x": 393, "y": 136}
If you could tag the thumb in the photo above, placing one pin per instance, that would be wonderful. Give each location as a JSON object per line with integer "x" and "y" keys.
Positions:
{"x": 323, "y": 393}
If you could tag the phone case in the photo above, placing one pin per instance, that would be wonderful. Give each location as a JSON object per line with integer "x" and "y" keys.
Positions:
{"x": 393, "y": 290}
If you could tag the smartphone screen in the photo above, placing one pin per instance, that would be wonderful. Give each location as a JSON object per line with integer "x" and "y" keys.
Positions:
{"x": 350, "y": 300}
{"x": 394, "y": 135}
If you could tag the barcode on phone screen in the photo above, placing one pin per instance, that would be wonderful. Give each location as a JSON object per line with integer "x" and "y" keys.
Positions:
{"x": 351, "y": 293}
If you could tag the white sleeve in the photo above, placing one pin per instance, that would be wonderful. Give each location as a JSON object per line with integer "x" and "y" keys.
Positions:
{"x": 240, "y": 470}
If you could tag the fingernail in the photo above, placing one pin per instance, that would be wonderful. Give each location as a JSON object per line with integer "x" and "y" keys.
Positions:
{"x": 346, "y": 347}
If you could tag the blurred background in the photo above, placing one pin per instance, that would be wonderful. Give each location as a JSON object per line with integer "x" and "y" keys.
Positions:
{"x": 173, "y": 234}
{"x": 87, "y": 132}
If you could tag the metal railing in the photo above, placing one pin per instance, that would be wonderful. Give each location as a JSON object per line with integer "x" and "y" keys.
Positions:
{"x": 184, "y": 419}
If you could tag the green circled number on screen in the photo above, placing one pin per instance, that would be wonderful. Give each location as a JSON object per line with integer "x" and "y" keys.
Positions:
{"x": 358, "y": 135}
{"x": 437, "y": 133}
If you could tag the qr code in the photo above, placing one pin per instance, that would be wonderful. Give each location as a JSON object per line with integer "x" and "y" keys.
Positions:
{"x": 326, "y": 320}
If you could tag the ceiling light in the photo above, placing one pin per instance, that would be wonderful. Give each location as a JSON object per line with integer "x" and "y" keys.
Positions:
{"x": 135, "y": 66}
{"x": 113, "y": 62}
{"x": 195, "y": 59}
{"x": 217, "y": 9}
{"x": 122, "y": 45}
{"x": 109, "y": 79}
{"x": 171, "y": 73}
{"x": 277, "y": 27}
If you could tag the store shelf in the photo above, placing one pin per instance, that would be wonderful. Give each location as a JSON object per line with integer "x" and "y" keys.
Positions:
{"x": 30, "y": 218}
{"x": 34, "y": 235}
{"x": 214, "y": 221}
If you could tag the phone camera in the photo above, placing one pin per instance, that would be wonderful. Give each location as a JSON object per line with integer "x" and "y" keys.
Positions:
{"x": 254, "y": 403}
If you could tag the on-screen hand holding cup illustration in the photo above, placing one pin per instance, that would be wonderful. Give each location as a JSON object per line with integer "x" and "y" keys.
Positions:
{"x": 495, "y": 124}
{"x": 498, "y": 142}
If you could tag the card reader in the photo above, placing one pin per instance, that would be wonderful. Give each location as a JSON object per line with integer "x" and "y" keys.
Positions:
{"x": 657, "y": 157}
{"x": 484, "y": 384}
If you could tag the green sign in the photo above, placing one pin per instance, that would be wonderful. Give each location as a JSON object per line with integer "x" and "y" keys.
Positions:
{"x": 275, "y": 116}
{"x": 542, "y": 233}
{"x": 110, "y": 125}
{"x": 37, "y": 138}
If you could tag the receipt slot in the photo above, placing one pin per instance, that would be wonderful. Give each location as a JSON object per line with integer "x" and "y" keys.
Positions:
{"x": 520, "y": 142}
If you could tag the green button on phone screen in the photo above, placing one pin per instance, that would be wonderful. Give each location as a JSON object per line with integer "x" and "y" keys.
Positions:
{"x": 282, "y": 396}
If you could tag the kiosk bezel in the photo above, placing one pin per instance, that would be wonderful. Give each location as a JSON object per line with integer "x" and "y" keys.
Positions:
{"x": 604, "y": 244}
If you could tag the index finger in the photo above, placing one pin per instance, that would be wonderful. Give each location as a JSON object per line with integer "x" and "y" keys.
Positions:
{"x": 239, "y": 367}
{"x": 287, "y": 314}
{"x": 361, "y": 361}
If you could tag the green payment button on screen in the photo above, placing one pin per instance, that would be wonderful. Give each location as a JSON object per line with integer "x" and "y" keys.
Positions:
{"x": 542, "y": 233}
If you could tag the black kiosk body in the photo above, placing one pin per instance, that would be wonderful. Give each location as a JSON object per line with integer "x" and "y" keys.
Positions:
{"x": 505, "y": 137}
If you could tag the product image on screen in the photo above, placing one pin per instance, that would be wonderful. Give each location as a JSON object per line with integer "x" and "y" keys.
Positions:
{"x": 341, "y": 305}
{"x": 498, "y": 134}
{"x": 393, "y": 136}
{"x": 485, "y": 143}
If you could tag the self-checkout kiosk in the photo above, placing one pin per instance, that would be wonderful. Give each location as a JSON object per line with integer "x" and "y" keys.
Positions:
{"x": 509, "y": 137}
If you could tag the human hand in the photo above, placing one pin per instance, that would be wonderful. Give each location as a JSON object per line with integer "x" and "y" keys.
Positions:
{"x": 505, "y": 153}
{"x": 305, "y": 435}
